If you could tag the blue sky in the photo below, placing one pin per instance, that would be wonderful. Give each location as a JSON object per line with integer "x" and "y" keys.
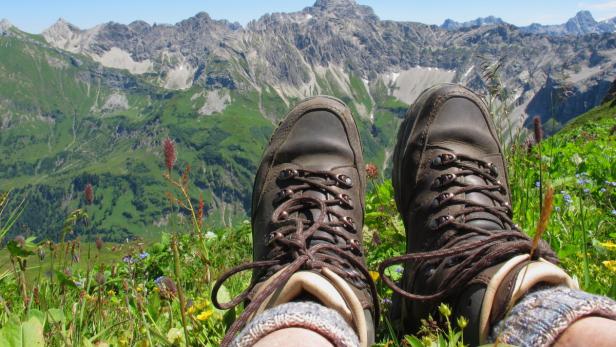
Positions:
{"x": 34, "y": 16}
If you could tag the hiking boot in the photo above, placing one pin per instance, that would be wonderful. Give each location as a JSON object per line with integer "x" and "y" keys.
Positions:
{"x": 307, "y": 220}
{"x": 451, "y": 188}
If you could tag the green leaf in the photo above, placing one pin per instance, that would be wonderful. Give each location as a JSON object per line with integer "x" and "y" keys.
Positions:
{"x": 413, "y": 341}
{"x": 17, "y": 251}
{"x": 64, "y": 280}
{"x": 56, "y": 315}
{"x": 26, "y": 334}
{"x": 223, "y": 294}
{"x": 38, "y": 315}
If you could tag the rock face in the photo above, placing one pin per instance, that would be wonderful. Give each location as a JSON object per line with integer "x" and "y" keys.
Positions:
{"x": 450, "y": 24}
{"x": 583, "y": 23}
{"x": 611, "y": 94}
{"x": 292, "y": 52}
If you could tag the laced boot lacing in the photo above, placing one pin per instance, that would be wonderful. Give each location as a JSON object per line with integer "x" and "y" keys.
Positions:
{"x": 471, "y": 257}
{"x": 291, "y": 241}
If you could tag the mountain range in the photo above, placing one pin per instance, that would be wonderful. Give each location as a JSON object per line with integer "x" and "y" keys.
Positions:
{"x": 582, "y": 23}
{"x": 93, "y": 106}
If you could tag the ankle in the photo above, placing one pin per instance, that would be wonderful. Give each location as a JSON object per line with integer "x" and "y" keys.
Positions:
{"x": 298, "y": 337}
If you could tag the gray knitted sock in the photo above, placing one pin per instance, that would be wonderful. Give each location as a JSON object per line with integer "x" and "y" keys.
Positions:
{"x": 307, "y": 315}
{"x": 543, "y": 314}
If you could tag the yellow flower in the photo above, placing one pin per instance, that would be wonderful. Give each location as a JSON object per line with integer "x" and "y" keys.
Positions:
{"x": 375, "y": 275}
{"x": 140, "y": 288}
{"x": 205, "y": 315}
{"x": 156, "y": 289}
{"x": 111, "y": 292}
{"x": 191, "y": 309}
{"x": 609, "y": 245}
{"x": 462, "y": 322}
{"x": 444, "y": 310}
{"x": 201, "y": 304}
{"x": 610, "y": 265}
{"x": 174, "y": 334}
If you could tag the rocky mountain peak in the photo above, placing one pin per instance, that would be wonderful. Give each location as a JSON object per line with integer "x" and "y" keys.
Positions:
{"x": 341, "y": 8}
{"x": 584, "y": 17}
{"x": 330, "y": 4}
{"x": 450, "y": 24}
{"x": 61, "y": 27}
{"x": 5, "y": 25}
{"x": 583, "y": 22}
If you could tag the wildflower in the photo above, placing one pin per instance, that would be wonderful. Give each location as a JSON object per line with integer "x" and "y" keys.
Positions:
{"x": 609, "y": 245}
{"x": 376, "y": 238}
{"x": 139, "y": 288}
{"x": 602, "y": 190}
{"x": 205, "y": 315}
{"x": 191, "y": 309}
{"x": 372, "y": 171}
{"x": 41, "y": 253}
{"x": 557, "y": 208}
{"x": 210, "y": 235}
{"x": 88, "y": 194}
{"x": 568, "y": 199}
{"x": 613, "y": 212}
{"x": 166, "y": 286}
{"x": 462, "y": 322}
{"x": 100, "y": 278}
{"x": 35, "y": 295}
{"x": 537, "y": 184}
{"x": 200, "y": 210}
{"x": 610, "y": 265}
{"x": 128, "y": 259}
{"x": 20, "y": 240}
{"x": 143, "y": 255}
{"x": 99, "y": 243}
{"x": 78, "y": 283}
{"x": 387, "y": 301}
{"x": 586, "y": 190}
{"x": 444, "y": 310}
{"x": 174, "y": 334}
{"x": 538, "y": 129}
{"x": 375, "y": 275}
{"x": 169, "y": 149}
{"x": 111, "y": 292}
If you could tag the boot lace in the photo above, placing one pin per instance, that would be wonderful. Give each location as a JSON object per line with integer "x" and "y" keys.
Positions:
{"x": 469, "y": 257}
{"x": 295, "y": 245}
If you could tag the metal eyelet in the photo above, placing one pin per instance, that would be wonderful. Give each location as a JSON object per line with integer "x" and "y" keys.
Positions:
{"x": 354, "y": 243}
{"x": 438, "y": 222}
{"x": 501, "y": 188}
{"x": 444, "y": 159}
{"x": 493, "y": 169}
{"x": 345, "y": 200}
{"x": 443, "y": 180}
{"x": 283, "y": 215}
{"x": 274, "y": 237}
{"x": 349, "y": 223}
{"x": 345, "y": 180}
{"x": 283, "y": 194}
{"x": 440, "y": 199}
{"x": 508, "y": 207}
{"x": 288, "y": 174}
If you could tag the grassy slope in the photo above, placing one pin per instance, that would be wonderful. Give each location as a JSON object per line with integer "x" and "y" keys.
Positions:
{"x": 58, "y": 139}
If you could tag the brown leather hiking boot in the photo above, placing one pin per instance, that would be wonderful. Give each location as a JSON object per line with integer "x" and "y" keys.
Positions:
{"x": 451, "y": 188}
{"x": 307, "y": 219}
